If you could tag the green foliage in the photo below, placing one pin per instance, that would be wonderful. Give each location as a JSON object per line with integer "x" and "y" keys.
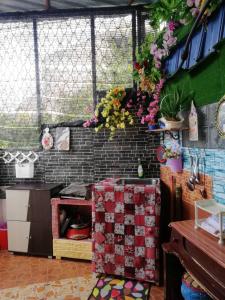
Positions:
{"x": 165, "y": 10}
{"x": 173, "y": 102}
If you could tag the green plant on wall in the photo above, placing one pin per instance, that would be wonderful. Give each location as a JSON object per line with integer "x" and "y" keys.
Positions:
{"x": 173, "y": 102}
{"x": 165, "y": 10}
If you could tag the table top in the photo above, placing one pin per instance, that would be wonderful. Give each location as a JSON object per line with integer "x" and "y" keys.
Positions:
{"x": 34, "y": 186}
{"x": 201, "y": 239}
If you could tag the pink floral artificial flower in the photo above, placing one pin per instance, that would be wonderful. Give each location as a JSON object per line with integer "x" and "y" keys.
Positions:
{"x": 190, "y": 3}
{"x": 140, "y": 111}
{"x": 157, "y": 64}
{"x": 194, "y": 12}
{"x": 153, "y": 103}
{"x": 171, "y": 41}
{"x": 167, "y": 35}
{"x": 197, "y": 3}
{"x": 153, "y": 48}
{"x": 171, "y": 25}
{"x": 87, "y": 123}
{"x": 159, "y": 54}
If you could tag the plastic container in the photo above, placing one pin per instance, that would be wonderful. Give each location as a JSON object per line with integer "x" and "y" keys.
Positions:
{"x": 175, "y": 164}
{"x": 190, "y": 290}
{"x": 24, "y": 170}
{"x": 3, "y": 237}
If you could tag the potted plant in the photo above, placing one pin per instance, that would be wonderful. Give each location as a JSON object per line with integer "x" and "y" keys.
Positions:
{"x": 171, "y": 105}
{"x": 173, "y": 158}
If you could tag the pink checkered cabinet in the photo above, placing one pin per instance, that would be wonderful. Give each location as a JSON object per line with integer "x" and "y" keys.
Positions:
{"x": 126, "y": 229}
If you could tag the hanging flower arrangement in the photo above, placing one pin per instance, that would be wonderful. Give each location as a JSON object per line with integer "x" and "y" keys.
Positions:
{"x": 111, "y": 112}
{"x": 148, "y": 69}
{"x": 114, "y": 111}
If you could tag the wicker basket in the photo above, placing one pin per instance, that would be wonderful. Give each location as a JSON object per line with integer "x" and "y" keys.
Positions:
{"x": 72, "y": 249}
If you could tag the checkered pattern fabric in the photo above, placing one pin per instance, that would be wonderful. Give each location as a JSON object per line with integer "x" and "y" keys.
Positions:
{"x": 126, "y": 229}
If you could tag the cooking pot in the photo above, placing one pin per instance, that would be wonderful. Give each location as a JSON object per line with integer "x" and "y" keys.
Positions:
{"x": 78, "y": 233}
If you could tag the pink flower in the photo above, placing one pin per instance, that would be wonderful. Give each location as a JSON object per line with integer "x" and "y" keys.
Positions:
{"x": 171, "y": 41}
{"x": 157, "y": 64}
{"x": 167, "y": 35}
{"x": 197, "y": 3}
{"x": 190, "y": 3}
{"x": 87, "y": 123}
{"x": 140, "y": 111}
{"x": 153, "y": 103}
{"x": 194, "y": 12}
{"x": 128, "y": 105}
{"x": 172, "y": 25}
{"x": 153, "y": 48}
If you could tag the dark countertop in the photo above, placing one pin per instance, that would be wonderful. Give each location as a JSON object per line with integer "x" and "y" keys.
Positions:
{"x": 35, "y": 186}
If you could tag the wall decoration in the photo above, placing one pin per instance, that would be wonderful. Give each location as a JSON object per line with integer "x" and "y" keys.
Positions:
{"x": 220, "y": 117}
{"x": 193, "y": 123}
{"x": 62, "y": 141}
{"x": 47, "y": 140}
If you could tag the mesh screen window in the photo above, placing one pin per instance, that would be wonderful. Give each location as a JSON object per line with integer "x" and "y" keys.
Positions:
{"x": 52, "y": 67}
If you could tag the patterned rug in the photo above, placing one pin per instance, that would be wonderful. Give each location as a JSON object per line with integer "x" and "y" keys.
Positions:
{"x": 109, "y": 287}
{"x": 78, "y": 288}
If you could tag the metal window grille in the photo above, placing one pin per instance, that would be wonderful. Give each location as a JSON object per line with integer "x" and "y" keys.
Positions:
{"x": 53, "y": 66}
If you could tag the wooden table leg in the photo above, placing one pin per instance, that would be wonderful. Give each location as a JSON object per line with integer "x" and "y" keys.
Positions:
{"x": 173, "y": 272}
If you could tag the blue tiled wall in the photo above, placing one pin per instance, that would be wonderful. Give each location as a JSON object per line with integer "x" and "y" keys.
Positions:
{"x": 212, "y": 161}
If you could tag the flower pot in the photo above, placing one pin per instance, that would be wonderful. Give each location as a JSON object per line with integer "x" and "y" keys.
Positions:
{"x": 175, "y": 164}
{"x": 172, "y": 124}
{"x": 152, "y": 126}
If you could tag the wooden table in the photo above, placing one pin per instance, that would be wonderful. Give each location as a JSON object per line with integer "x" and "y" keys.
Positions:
{"x": 200, "y": 254}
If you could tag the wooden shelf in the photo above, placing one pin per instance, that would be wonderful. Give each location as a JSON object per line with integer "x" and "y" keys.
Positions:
{"x": 164, "y": 129}
{"x": 168, "y": 131}
{"x": 72, "y": 201}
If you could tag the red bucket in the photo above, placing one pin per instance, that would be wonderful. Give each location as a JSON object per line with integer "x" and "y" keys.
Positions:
{"x": 3, "y": 239}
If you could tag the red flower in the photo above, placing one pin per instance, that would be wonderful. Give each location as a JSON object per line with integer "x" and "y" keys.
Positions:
{"x": 137, "y": 66}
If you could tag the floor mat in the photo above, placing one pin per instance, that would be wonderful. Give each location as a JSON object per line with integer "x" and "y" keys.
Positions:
{"x": 78, "y": 288}
{"x": 110, "y": 287}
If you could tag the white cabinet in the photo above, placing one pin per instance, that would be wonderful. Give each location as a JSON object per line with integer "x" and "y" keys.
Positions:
{"x": 18, "y": 236}
{"x": 17, "y": 205}
{"x": 28, "y": 214}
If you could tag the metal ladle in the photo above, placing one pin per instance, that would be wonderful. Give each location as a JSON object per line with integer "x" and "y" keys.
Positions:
{"x": 196, "y": 171}
{"x": 191, "y": 182}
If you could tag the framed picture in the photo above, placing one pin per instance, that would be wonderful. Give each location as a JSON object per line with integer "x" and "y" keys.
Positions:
{"x": 62, "y": 140}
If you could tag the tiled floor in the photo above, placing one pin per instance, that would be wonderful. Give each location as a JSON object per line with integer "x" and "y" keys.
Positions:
{"x": 18, "y": 270}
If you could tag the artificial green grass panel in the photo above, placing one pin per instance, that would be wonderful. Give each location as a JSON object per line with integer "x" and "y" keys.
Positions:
{"x": 206, "y": 79}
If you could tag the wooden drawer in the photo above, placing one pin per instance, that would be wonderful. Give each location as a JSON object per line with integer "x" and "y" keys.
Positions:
{"x": 72, "y": 249}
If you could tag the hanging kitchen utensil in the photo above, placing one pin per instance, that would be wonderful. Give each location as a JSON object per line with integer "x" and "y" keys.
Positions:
{"x": 191, "y": 182}
{"x": 196, "y": 170}
{"x": 47, "y": 140}
{"x": 203, "y": 190}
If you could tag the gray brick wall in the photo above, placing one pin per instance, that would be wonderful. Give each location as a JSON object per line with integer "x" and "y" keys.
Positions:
{"x": 93, "y": 157}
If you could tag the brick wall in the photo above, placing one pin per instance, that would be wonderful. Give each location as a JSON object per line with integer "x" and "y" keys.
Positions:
{"x": 93, "y": 157}
{"x": 188, "y": 197}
